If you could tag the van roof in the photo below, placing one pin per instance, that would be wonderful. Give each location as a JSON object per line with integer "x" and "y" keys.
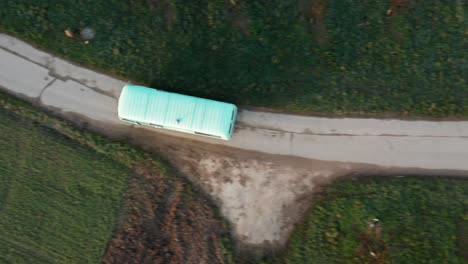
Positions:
{"x": 176, "y": 111}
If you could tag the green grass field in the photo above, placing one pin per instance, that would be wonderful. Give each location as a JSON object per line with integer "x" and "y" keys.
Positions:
{"x": 311, "y": 56}
{"x": 421, "y": 220}
{"x": 59, "y": 201}
{"x": 71, "y": 196}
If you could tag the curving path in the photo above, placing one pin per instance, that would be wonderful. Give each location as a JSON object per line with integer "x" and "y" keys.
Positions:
{"x": 72, "y": 91}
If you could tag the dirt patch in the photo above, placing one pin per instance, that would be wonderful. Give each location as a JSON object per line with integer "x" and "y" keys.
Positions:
{"x": 263, "y": 196}
{"x": 163, "y": 219}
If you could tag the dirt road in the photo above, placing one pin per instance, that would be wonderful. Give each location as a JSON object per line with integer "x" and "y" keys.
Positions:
{"x": 263, "y": 177}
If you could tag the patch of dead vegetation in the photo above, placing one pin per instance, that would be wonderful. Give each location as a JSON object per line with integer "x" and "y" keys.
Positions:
{"x": 166, "y": 221}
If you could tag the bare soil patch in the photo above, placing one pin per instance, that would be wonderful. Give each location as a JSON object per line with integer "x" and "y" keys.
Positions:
{"x": 262, "y": 195}
{"x": 166, "y": 222}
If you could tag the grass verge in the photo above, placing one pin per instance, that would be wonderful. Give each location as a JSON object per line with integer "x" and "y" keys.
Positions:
{"x": 58, "y": 200}
{"x": 398, "y": 57}
{"x": 375, "y": 220}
